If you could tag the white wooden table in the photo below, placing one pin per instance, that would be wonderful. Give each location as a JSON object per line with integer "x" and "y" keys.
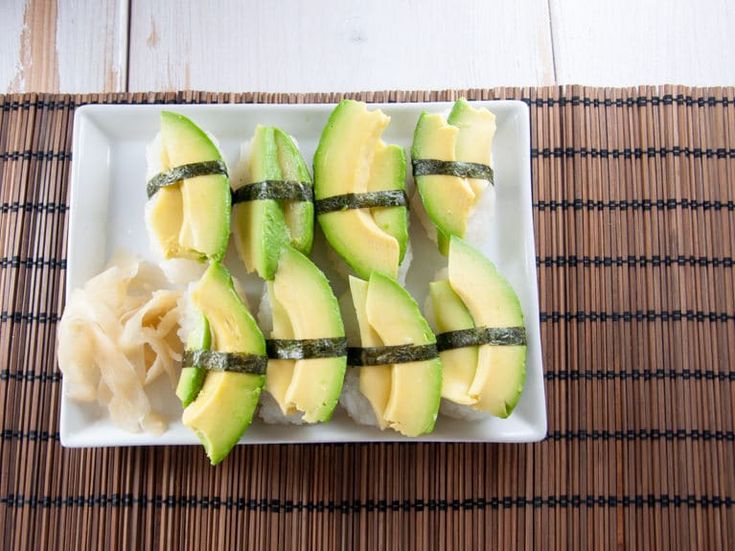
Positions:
{"x": 333, "y": 45}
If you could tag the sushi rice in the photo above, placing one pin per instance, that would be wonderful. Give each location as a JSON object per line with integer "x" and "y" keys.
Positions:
{"x": 351, "y": 399}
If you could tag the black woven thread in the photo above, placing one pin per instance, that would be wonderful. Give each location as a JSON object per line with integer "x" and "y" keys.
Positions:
{"x": 638, "y": 101}
{"x": 277, "y": 506}
{"x": 30, "y": 262}
{"x": 29, "y": 376}
{"x": 600, "y": 435}
{"x": 634, "y": 204}
{"x": 641, "y": 375}
{"x": 29, "y": 317}
{"x": 551, "y": 205}
{"x": 632, "y": 153}
{"x": 643, "y": 434}
{"x": 560, "y": 375}
{"x": 37, "y": 207}
{"x": 277, "y": 190}
{"x": 635, "y": 101}
{"x": 545, "y": 317}
{"x": 638, "y": 315}
{"x": 30, "y": 155}
{"x": 572, "y": 261}
{"x": 569, "y": 261}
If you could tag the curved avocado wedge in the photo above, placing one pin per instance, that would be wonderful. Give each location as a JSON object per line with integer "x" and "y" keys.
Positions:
{"x": 352, "y": 158}
{"x": 490, "y": 300}
{"x": 191, "y": 378}
{"x": 191, "y": 218}
{"x": 304, "y": 307}
{"x": 466, "y": 136}
{"x": 224, "y": 406}
{"x": 408, "y": 399}
{"x": 262, "y": 227}
{"x": 460, "y": 364}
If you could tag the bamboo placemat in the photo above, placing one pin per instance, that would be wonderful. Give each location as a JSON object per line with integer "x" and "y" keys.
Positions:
{"x": 634, "y": 200}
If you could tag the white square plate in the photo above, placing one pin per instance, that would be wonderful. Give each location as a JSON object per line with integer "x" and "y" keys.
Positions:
{"x": 107, "y": 213}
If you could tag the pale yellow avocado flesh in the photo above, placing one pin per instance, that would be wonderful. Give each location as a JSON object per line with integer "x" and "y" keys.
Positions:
{"x": 448, "y": 199}
{"x": 165, "y": 218}
{"x": 388, "y": 172}
{"x": 492, "y": 302}
{"x": 191, "y": 218}
{"x": 460, "y": 364}
{"x": 280, "y": 372}
{"x": 475, "y": 138}
{"x": 224, "y": 407}
{"x": 407, "y": 397}
{"x": 342, "y": 164}
{"x": 304, "y": 307}
{"x": 375, "y": 380}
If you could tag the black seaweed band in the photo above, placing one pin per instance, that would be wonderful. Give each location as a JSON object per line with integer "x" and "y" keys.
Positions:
{"x": 234, "y": 362}
{"x": 477, "y": 336}
{"x": 367, "y": 200}
{"x": 277, "y": 190}
{"x": 184, "y": 172}
{"x": 461, "y": 169}
{"x": 384, "y": 355}
{"x": 306, "y": 349}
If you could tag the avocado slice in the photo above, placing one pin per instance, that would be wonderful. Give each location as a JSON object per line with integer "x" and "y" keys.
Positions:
{"x": 190, "y": 219}
{"x": 389, "y": 315}
{"x": 460, "y": 364}
{"x": 299, "y": 214}
{"x": 492, "y": 302}
{"x": 304, "y": 307}
{"x": 475, "y": 138}
{"x": 466, "y": 136}
{"x": 351, "y": 158}
{"x": 191, "y": 379}
{"x": 262, "y": 227}
{"x": 375, "y": 381}
{"x": 224, "y": 407}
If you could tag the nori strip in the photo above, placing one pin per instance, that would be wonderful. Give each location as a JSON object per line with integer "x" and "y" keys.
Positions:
{"x": 184, "y": 172}
{"x": 235, "y": 362}
{"x": 306, "y": 349}
{"x": 462, "y": 169}
{"x": 278, "y": 190}
{"x": 399, "y": 354}
{"x": 369, "y": 199}
{"x": 476, "y": 336}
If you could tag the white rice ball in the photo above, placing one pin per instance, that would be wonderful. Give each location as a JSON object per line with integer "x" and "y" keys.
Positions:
{"x": 182, "y": 271}
{"x": 417, "y": 207}
{"x": 481, "y": 224}
{"x": 270, "y": 412}
{"x": 337, "y": 263}
{"x": 189, "y": 317}
{"x": 239, "y": 175}
{"x": 265, "y": 312}
{"x": 406, "y": 264}
{"x": 461, "y": 411}
{"x": 349, "y": 319}
{"x": 354, "y": 402}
